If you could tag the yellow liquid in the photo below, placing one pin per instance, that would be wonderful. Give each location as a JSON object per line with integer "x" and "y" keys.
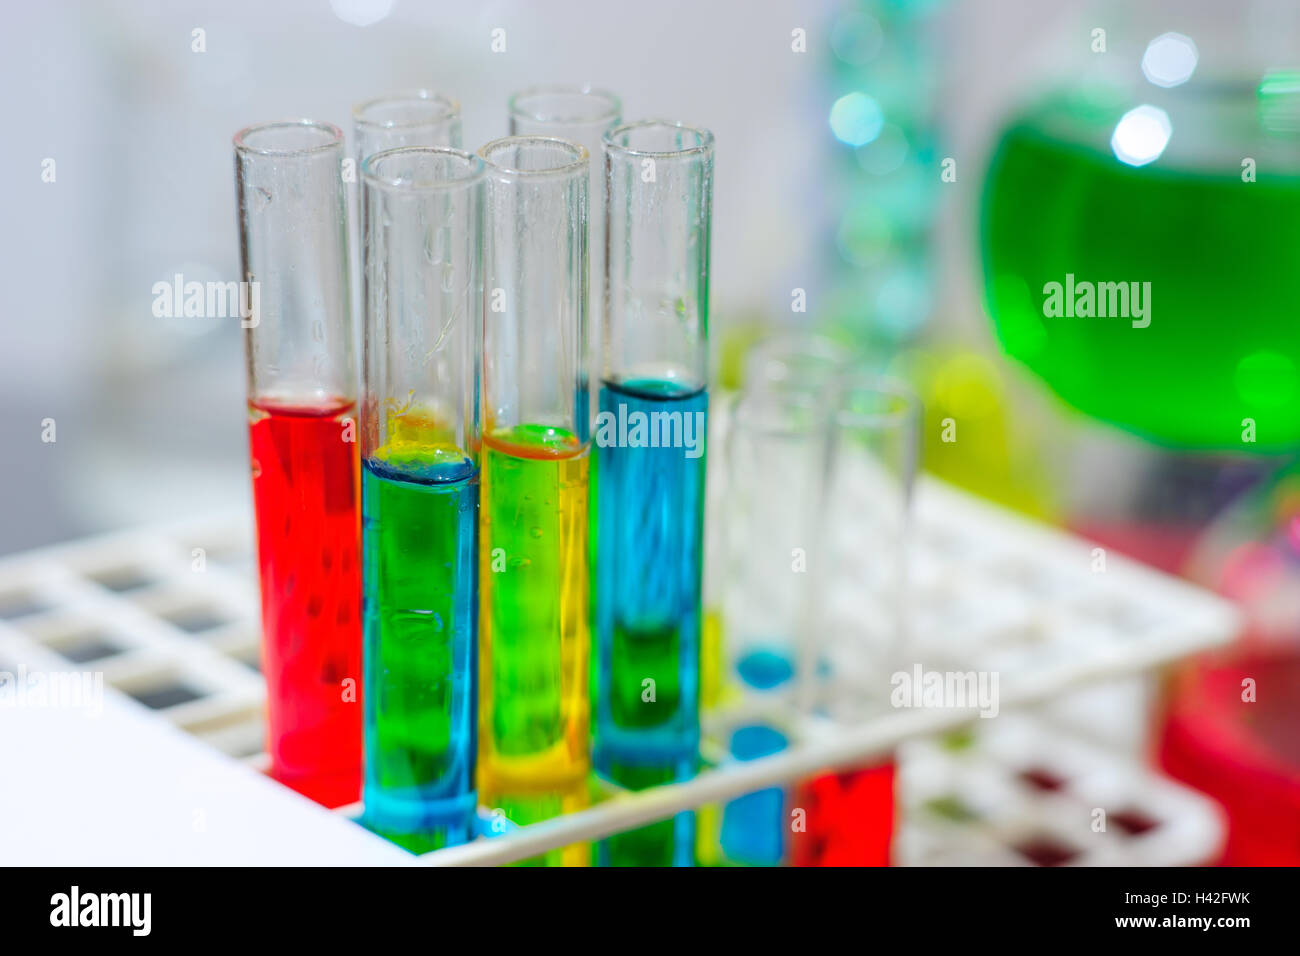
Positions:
{"x": 534, "y": 634}
{"x": 523, "y": 808}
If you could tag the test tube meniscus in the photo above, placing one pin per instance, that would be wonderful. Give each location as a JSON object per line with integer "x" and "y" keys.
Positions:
{"x": 650, "y": 493}
{"x": 302, "y": 405}
{"x": 420, "y": 447}
{"x": 534, "y": 638}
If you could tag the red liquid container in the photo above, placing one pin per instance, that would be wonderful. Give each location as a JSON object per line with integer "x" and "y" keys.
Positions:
{"x": 305, "y": 474}
{"x": 850, "y": 818}
{"x": 300, "y": 348}
{"x": 1241, "y": 748}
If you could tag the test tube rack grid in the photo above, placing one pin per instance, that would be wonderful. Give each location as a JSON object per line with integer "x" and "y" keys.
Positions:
{"x": 169, "y": 614}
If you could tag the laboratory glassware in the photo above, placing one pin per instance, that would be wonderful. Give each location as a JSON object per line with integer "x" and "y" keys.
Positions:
{"x": 650, "y": 435}
{"x": 421, "y": 438}
{"x": 534, "y": 638}
{"x": 302, "y": 434}
{"x": 582, "y": 115}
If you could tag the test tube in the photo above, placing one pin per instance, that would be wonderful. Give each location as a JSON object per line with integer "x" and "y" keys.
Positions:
{"x": 406, "y": 118}
{"x": 650, "y": 436}
{"x": 776, "y": 454}
{"x": 409, "y": 118}
{"x": 859, "y": 609}
{"x": 792, "y": 387}
{"x": 302, "y": 437}
{"x": 860, "y": 605}
{"x": 420, "y": 431}
{"x": 797, "y": 361}
{"x": 534, "y": 639}
{"x": 582, "y": 115}
{"x": 776, "y": 459}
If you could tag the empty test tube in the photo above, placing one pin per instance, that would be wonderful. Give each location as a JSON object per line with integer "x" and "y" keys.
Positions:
{"x": 582, "y": 115}
{"x": 410, "y": 118}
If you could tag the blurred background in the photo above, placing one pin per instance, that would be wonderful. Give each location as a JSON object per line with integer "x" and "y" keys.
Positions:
{"x": 911, "y": 173}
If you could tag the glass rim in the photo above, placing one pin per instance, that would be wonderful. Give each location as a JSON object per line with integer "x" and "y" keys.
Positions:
{"x": 906, "y": 407}
{"x": 794, "y": 350}
{"x": 705, "y": 137}
{"x": 450, "y": 109}
{"x": 802, "y": 344}
{"x": 370, "y": 174}
{"x": 763, "y": 412}
{"x": 580, "y": 159}
{"x": 613, "y": 106}
{"x": 242, "y": 144}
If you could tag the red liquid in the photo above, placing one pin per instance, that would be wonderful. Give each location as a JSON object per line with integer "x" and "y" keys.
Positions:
{"x": 305, "y": 480}
{"x": 850, "y": 819}
{"x": 1244, "y": 755}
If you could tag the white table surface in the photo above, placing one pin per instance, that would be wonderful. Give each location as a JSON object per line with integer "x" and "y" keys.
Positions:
{"x": 126, "y": 789}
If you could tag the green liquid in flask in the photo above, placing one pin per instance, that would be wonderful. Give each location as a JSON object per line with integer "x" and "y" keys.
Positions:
{"x": 1222, "y": 255}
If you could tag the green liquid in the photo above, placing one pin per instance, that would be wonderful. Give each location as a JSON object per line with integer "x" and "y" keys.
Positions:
{"x": 1220, "y": 254}
{"x": 535, "y": 638}
{"x": 419, "y": 552}
{"x": 638, "y": 655}
{"x": 665, "y": 843}
{"x": 526, "y": 809}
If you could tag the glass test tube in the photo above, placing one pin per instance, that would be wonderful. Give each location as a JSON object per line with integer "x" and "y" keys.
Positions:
{"x": 650, "y": 436}
{"x": 406, "y": 118}
{"x": 534, "y": 640}
{"x": 302, "y": 436}
{"x": 420, "y": 431}
{"x": 792, "y": 384}
{"x": 410, "y": 118}
{"x": 797, "y": 361}
{"x": 582, "y": 115}
{"x": 861, "y": 601}
{"x": 776, "y": 456}
{"x": 859, "y": 611}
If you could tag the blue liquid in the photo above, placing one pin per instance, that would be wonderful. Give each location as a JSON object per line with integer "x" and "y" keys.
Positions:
{"x": 649, "y": 508}
{"x": 753, "y": 826}
{"x": 650, "y": 515}
{"x": 420, "y": 568}
{"x": 764, "y": 669}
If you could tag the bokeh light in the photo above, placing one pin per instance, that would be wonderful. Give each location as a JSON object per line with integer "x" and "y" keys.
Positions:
{"x": 856, "y": 119}
{"x": 1141, "y": 135}
{"x": 1170, "y": 60}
